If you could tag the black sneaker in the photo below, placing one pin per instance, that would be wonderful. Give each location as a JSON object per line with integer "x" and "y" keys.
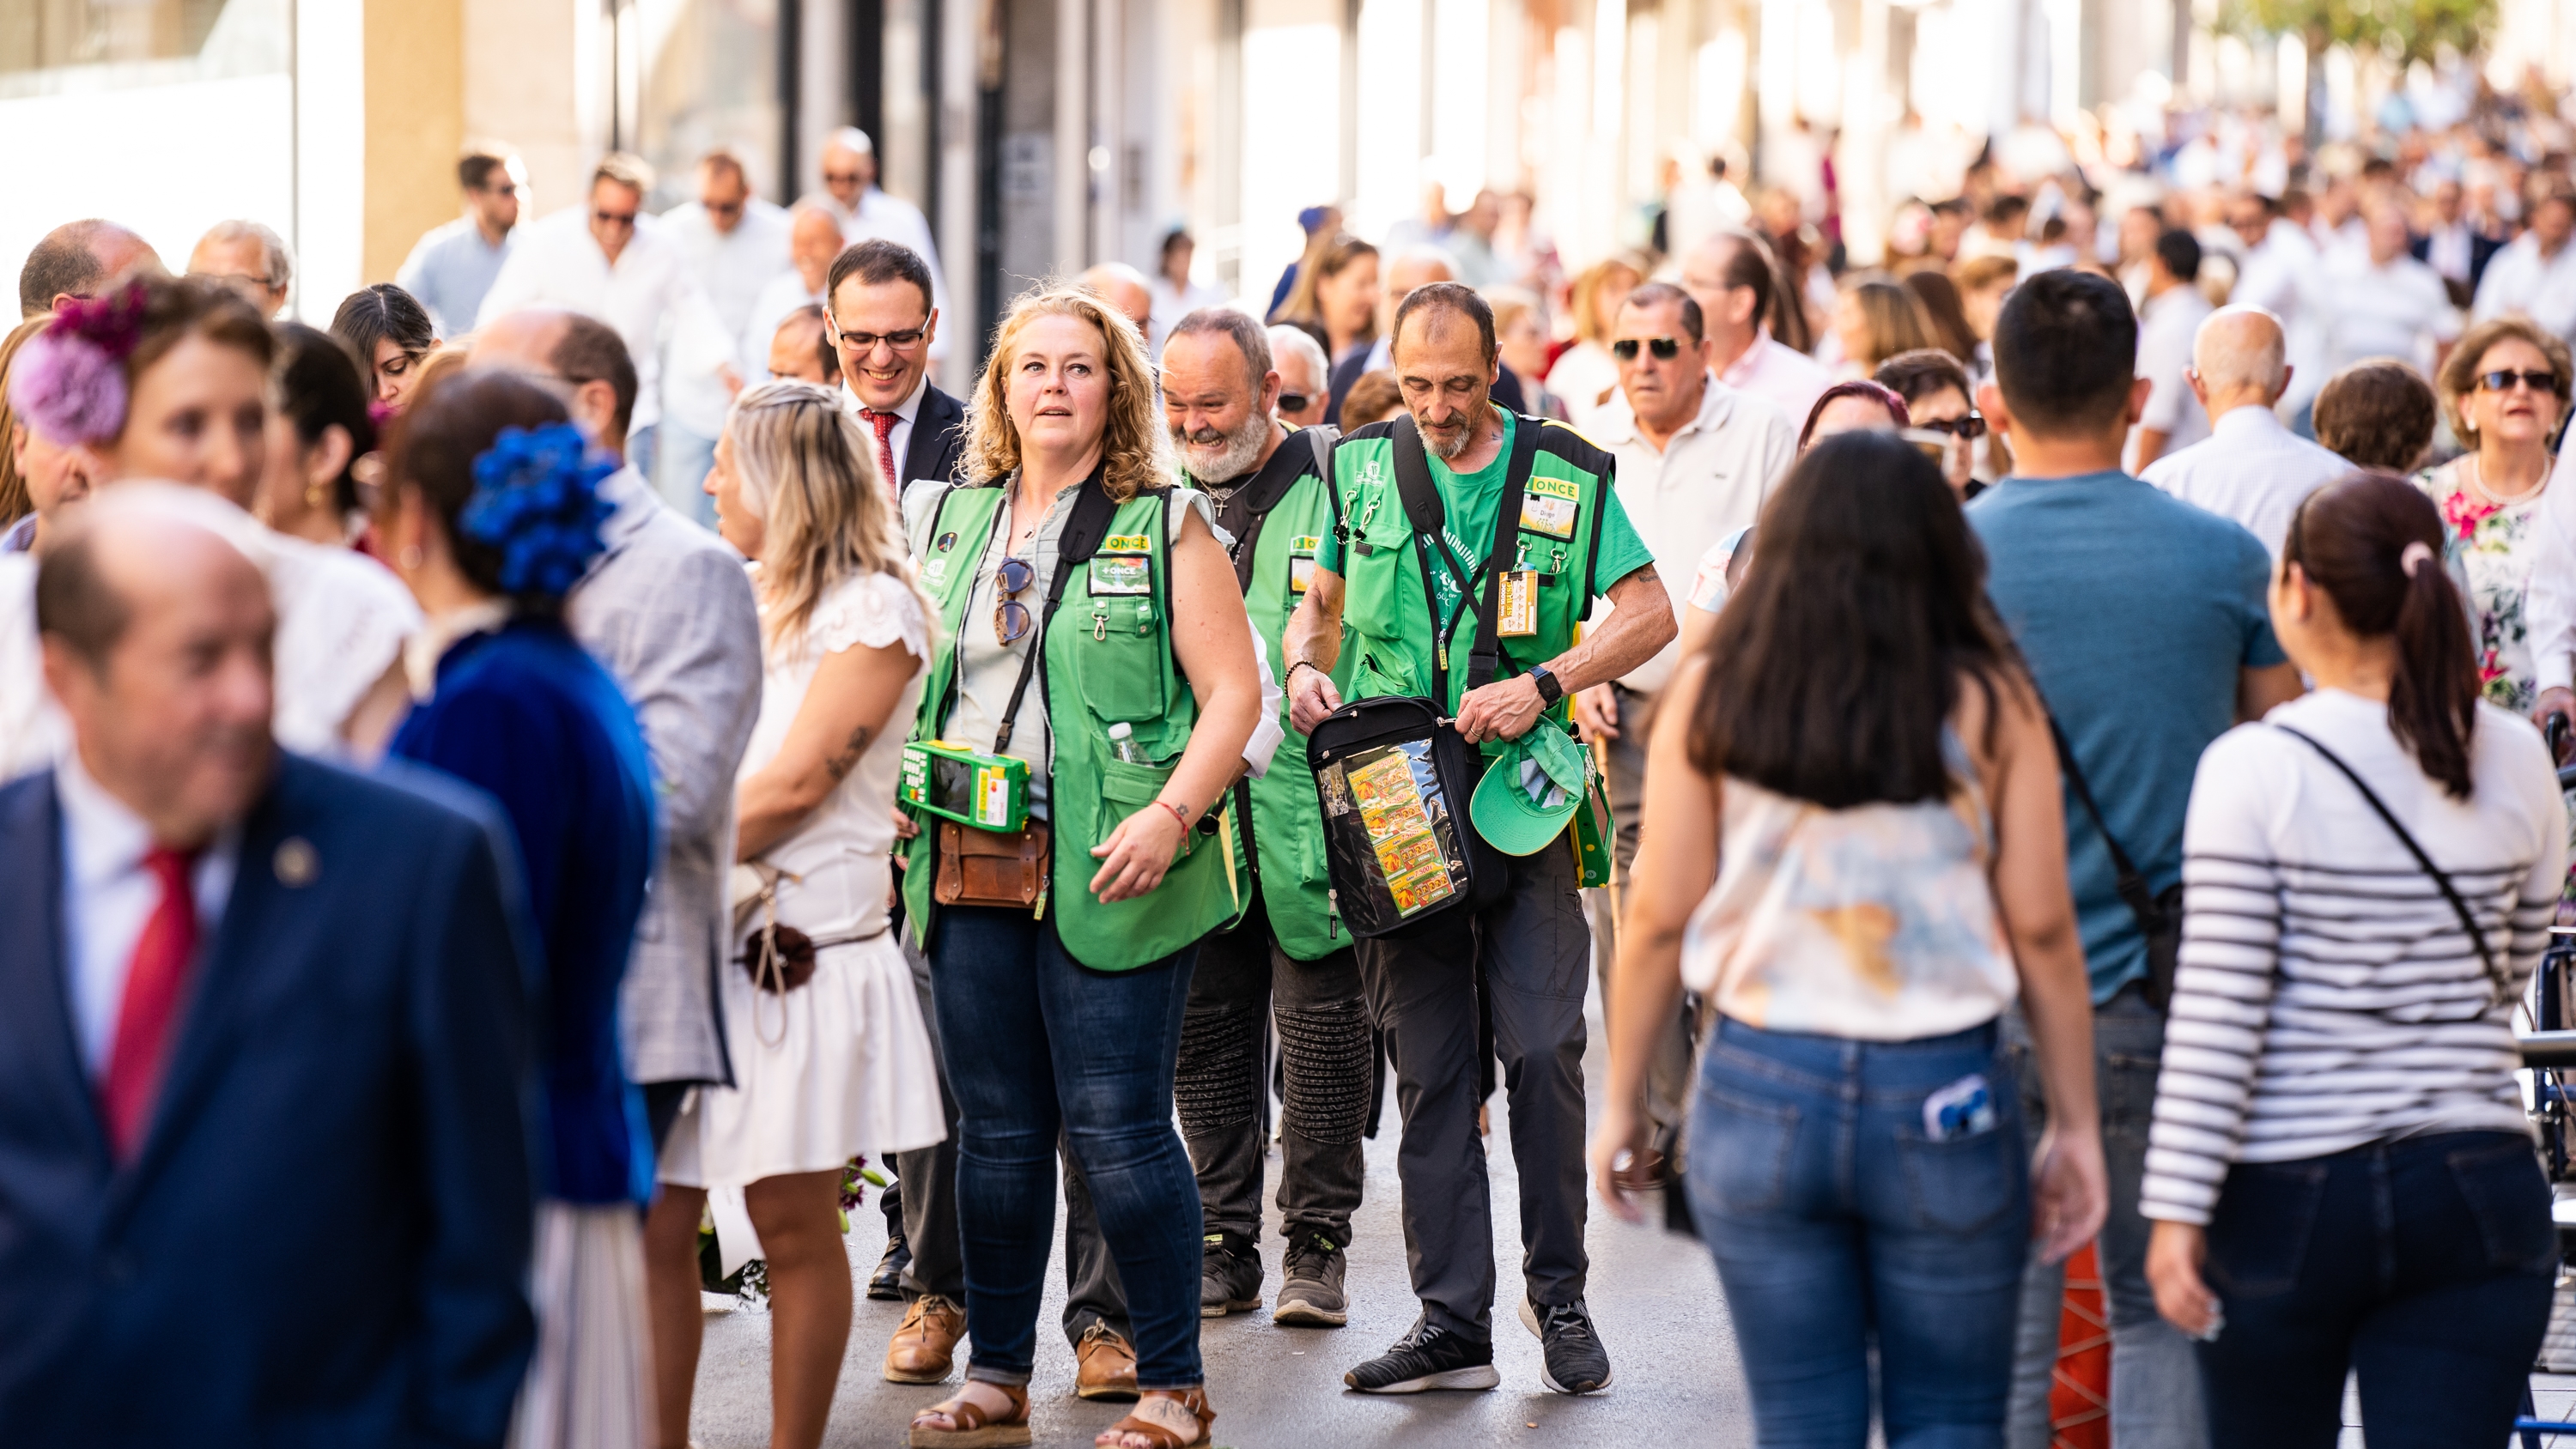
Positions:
{"x": 1229, "y": 1275}
{"x": 886, "y": 1283}
{"x": 1427, "y": 1358}
{"x": 1312, "y": 1294}
{"x": 1574, "y": 1362}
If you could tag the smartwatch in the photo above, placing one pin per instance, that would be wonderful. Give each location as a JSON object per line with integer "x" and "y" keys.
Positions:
{"x": 1549, "y": 690}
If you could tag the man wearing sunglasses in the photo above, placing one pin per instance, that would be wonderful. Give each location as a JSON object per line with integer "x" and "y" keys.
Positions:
{"x": 2250, "y": 468}
{"x": 1696, "y": 460}
{"x": 880, "y": 317}
{"x": 453, "y": 264}
{"x": 736, "y": 244}
{"x": 868, "y": 213}
{"x": 1304, "y": 377}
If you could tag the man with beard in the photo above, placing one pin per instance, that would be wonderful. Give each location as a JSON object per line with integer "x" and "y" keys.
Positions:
{"x": 1527, "y": 953}
{"x": 1288, "y": 951}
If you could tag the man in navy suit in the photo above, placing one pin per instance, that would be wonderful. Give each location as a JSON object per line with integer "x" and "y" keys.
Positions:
{"x": 265, "y": 1172}
{"x": 881, "y": 321}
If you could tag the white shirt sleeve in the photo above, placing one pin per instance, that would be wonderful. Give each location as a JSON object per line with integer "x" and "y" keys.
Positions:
{"x": 2549, "y": 608}
{"x": 1267, "y": 736}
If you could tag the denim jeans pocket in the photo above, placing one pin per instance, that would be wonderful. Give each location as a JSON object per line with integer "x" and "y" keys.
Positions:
{"x": 1740, "y": 1151}
{"x": 2503, "y": 1186}
{"x": 2258, "y": 1238}
{"x": 1964, "y": 1184}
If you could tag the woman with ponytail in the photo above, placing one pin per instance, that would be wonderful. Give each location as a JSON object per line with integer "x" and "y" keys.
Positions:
{"x": 491, "y": 513}
{"x": 2339, "y": 1166}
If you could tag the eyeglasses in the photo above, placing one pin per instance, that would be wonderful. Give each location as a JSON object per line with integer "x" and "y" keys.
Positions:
{"x": 1010, "y": 616}
{"x": 1973, "y": 425}
{"x": 613, "y": 218}
{"x": 2503, "y": 379}
{"x": 1294, "y": 402}
{"x": 722, "y": 208}
{"x": 843, "y": 178}
{"x": 864, "y": 343}
{"x": 1664, "y": 348}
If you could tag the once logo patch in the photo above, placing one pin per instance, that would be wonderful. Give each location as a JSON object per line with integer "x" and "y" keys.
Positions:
{"x": 1127, "y": 543}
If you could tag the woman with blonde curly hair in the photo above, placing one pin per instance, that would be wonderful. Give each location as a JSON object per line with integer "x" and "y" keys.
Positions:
{"x": 1092, "y": 699}
{"x": 830, "y": 1057}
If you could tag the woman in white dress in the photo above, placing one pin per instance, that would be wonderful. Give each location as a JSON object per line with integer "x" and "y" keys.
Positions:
{"x": 835, "y": 1063}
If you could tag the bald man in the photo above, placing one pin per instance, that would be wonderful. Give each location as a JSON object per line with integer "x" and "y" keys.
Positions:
{"x": 249, "y": 258}
{"x": 2250, "y": 468}
{"x": 850, "y": 191}
{"x": 1123, "y": 287}
{"x": 77, "y": 260}
{"x": 813, "y": 240}
{"x": 1408, "y": 270}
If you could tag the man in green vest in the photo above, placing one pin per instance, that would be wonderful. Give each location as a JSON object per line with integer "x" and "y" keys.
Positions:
{"x": 1528, "y": 954}
{"x": 1288, "y": 957}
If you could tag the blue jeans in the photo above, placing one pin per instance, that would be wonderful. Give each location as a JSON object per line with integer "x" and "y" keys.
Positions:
{"x": 1036, "y": 1043}
{"x": 2424, "y": 1264}
{"x": 2155, "y": 1381}
{"x": 1837, "y": 1222}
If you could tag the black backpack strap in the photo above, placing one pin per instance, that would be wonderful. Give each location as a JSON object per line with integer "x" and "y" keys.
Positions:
{"x": 1486, "y": 657}
{"x": 1263, "y": 495}
{"x": 1429, "y": 521}
{"x": 1092, "y": 512}
{"x": 2468, "y": 922}
{"x": 2127, "y": 880}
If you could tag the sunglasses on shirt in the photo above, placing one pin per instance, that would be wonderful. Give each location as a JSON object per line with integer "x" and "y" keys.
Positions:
{"x": 1011, "y": 619}
{"x": 1665, "y": 349}
{"x": 2503, "y": 379}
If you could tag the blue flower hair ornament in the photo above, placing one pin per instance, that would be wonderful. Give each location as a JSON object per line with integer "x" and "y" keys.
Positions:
{"x": 536, "y": 502}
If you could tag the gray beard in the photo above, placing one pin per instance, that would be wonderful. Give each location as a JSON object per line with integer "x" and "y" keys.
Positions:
{"x": 1457, "y": 442}
{"x": 1227, "y": 459}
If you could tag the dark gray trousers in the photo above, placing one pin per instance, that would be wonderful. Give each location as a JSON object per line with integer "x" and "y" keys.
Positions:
{"x": 1241, "y": 980}
{"x": 1422, "y": 988}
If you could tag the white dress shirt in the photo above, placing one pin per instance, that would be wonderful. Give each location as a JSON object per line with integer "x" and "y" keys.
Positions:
{"x": 1171, "y": 304}
{"x": 2520, "y": 279}
{"x": 1780, "y": 375}
{"x": 1708, "y": 481}
{"x": 904, "y": 412}
{"x": 2282, "y": 277}
{"x": 2251, "y": 469}
{"x": 108, "y": 898}
{"x": 2398, "y": 310}
{"x": 2166, "y": 328}
{"x": 895, "y": 220}
{"x": 732, "y": 266}
{"x": 2447, "y": 250}
{"x": 2549, "y": 608}
{"x": 650, "y": 296}
{"x": 782, "y": 294}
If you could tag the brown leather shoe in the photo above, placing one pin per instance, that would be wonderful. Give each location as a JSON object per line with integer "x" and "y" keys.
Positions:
{"x": 925, "y": 1348}
{"x": 1106, "y": 1365}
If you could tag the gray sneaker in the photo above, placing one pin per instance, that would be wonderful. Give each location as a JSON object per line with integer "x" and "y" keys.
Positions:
{"x": 1229, "y": 1275}
{"x": 1313, "y": 1293}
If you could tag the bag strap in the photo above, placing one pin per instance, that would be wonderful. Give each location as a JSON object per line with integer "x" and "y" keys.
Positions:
{"x": 1487, "y": 655}
{"x": 1092, "y": 512}
{"x": 2468, "y": 922}
{"x": 1262, "y": 496}
{"x": 2128, "y": 882}
{"x": 1422, "y": 510}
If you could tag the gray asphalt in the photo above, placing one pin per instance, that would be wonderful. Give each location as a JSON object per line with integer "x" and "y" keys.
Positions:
{"x": 1653, "y": 1296}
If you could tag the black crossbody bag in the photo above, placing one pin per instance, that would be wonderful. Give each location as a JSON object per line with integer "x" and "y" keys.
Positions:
{"x": 2159, "y": 914}
{"x": 1392, "y": 773}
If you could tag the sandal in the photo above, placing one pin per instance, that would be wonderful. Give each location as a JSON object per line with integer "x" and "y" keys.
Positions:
{"x": 971, "y": 1425}
{"x": 1193, "y": 1401}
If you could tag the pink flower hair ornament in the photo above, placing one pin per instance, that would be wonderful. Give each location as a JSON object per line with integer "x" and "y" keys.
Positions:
{"x": 69, "y": 380}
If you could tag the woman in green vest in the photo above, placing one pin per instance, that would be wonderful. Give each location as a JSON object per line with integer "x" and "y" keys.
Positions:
{"x": 1092, "y": 631}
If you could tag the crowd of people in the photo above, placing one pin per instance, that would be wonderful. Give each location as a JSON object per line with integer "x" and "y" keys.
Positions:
{"x": 517, "y": 795}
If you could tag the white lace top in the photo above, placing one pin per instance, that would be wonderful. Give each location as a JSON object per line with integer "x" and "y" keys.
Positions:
{"x": 839, "y": 857}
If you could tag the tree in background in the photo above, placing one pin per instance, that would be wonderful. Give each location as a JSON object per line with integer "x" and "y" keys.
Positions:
{"x": 2399, "y": 32}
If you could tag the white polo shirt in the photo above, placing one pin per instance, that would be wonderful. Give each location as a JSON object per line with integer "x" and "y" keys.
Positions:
{"x": 1709, "y": 481}
{"x": 2251, "y": 469}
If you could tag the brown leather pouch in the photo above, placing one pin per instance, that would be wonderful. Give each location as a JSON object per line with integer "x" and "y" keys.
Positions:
{"x": 989, "y": 868}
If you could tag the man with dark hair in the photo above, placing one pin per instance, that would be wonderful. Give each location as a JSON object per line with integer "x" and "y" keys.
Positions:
{"x": 2174, "y": 418}
{"x": 879, "y": 295}
{"x": 75, "y": 260}
{"x": 1412, "y": 604}
{"x": 1732, "y": 277}
{"x": 453, "y": 263}
{"x": 2144, "y": 624}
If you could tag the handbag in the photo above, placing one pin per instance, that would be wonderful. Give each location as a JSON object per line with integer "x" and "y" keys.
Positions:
{"x": 990, "y": 867}
{"x": 2499, "y": 983}
{"x": 2159, "y": 914}
{"x": 1392, "y": 774}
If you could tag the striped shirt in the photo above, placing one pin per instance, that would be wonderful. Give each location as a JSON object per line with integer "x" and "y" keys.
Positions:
{"x": 2328, "y": 996}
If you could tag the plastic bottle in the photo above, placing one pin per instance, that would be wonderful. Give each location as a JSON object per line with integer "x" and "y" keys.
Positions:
{"x": 1122, "y": 743}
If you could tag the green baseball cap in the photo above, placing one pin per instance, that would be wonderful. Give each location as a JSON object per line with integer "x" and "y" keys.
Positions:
{"x": 1531, "y": 789}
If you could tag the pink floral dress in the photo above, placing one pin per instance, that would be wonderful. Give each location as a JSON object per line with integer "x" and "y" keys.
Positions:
{"x": 2494, "y": 546}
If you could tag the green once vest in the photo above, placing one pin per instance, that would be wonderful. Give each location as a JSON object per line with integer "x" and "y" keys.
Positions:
{"x": 1106, "y": 658}
{"x": 1287, "y": 824}
{"x": 1384, "y": 604}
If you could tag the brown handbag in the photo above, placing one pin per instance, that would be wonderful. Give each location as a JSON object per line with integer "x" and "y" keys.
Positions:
{"x": 990, "y": 868}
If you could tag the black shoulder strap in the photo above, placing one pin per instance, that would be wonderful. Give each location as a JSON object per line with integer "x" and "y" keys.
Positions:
{"x": 1262, "y": 495}
{"x": 1486, "y": 657}
{"x": 1430, "y": 530}
{"x": 2127, "y": 880}
{"x": 2468, "y": 922}
{"x": 1083, "y": 532}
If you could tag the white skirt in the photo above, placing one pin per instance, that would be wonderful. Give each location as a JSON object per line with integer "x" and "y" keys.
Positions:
{"x": 838, "y": 1068}
{"x": 586, "y": 1386}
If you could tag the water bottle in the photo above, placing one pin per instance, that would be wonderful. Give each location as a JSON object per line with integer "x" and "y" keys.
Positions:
{"x": 1122, "y": 743}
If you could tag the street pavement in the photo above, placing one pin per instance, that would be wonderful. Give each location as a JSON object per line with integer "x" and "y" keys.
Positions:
{"x": 1653, "y": 1296}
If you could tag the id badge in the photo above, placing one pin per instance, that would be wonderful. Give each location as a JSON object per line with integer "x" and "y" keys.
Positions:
{"x": 1516, "y": 614}
{"x": 1301, "y": 564}
{"x": 1122, "y": 573}
{"x": 1548, "y": 507}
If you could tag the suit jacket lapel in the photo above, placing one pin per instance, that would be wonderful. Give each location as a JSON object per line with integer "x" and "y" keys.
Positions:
{"x": 36, "y": 1029}
{"x": 932, "y": 427}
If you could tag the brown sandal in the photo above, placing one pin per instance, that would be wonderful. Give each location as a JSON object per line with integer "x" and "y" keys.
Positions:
{"x": 1194, "y": 1400}
{"x": 973, "y": 1430}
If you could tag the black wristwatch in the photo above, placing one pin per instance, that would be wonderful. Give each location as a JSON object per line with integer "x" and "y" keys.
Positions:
{"x": 1549, "y": 690}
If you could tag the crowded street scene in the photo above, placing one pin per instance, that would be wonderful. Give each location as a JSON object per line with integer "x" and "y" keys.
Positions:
{"x": 1784, "y": 723}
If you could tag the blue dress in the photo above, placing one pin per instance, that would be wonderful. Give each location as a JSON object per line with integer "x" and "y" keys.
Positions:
{"x": 526, "y": 715}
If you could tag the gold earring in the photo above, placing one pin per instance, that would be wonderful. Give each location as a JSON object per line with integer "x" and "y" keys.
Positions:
{"x": 314, "y": 495}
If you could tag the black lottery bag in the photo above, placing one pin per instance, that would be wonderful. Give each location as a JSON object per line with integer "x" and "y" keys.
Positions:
{"x": 1392, "y": 773}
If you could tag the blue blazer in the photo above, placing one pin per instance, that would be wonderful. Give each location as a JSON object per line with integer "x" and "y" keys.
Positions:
{"x": 322, "y": 1240}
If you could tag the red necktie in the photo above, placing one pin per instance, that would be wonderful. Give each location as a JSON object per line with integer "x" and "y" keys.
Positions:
{"x": 155, "y": 980}
{"x": 884, "y": 424}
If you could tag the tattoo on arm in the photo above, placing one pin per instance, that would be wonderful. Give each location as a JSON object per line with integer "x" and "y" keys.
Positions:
{"x": 847, "y": 760}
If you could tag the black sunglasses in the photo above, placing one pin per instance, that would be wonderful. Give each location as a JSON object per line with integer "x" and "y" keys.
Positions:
{"x": 1971, "y": 426}
{"x": 1664, "y": 348}
{"x": 2503, "y": 379}
{"x": 614, "y": 218}
{"x": 1293, "y": 402}
{"x": 1010, "y": 616}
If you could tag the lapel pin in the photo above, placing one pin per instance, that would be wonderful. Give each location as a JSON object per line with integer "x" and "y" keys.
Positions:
{"x": 295, "y": 862}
